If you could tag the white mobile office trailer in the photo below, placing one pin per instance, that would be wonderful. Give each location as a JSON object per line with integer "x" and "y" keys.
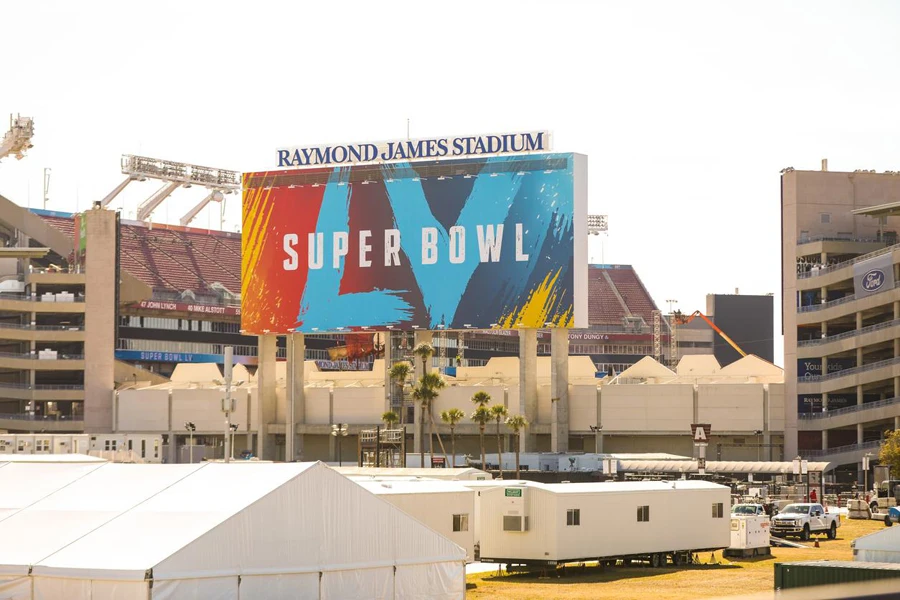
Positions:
{"x": 447, "y": 507}
{"x": 547, "y": 524}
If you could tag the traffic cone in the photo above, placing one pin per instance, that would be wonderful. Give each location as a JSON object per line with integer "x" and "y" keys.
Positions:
{"x": 816, "y": 545}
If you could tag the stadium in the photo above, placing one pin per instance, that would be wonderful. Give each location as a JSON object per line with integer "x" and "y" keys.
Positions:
{"x": 80, "y": 359}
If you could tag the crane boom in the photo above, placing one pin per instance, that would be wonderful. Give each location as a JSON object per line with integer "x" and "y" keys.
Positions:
{"x": 680, "y": 319}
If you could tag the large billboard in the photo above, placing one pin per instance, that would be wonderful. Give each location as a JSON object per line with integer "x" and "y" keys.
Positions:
{"x": 495, "y": 242}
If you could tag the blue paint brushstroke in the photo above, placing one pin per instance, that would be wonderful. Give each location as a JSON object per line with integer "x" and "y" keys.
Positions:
{"x": 322, "y": 304}
{"x": 442, "y": 284}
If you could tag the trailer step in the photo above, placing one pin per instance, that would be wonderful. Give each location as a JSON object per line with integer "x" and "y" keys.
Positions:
{"x": 783, "y": 543}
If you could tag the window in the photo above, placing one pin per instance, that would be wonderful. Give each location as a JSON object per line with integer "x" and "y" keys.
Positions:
{"x": 42, "y": 445}
{"x": 717, "y": 510}
{"x": 826, "y": 217}
{"x": 155, "y": 448}
{"x": 643, "y": 514}
{"x": 143, "y": 448}
{"x": 461, "y": 522}
{"x": 514, "y": 523}
{"x": 573, "y": 517}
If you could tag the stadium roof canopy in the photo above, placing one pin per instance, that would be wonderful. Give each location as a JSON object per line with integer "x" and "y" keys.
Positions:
{"x": 890, "y": 209}
{"x": 690, "y": 466}
{"x": 243, "y": 529}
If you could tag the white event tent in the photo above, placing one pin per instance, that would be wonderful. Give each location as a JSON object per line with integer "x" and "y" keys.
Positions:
{"x": 213, "y": 530}
{"x": 882, "y": 546}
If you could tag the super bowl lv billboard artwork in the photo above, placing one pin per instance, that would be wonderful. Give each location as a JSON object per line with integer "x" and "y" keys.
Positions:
{"x": 496, "y": 242}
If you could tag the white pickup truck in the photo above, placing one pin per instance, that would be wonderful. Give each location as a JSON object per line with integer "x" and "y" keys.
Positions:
{"x": 805, "y": 519}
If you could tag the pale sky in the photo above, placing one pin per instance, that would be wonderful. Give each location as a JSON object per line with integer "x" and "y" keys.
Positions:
{"x": 687, "y": 110}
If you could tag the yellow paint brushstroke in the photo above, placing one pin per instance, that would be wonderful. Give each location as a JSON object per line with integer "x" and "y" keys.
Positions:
{"x": 542, "y": 306}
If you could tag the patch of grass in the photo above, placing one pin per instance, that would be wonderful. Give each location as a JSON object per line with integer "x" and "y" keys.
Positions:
{"x": 715, "y": 576}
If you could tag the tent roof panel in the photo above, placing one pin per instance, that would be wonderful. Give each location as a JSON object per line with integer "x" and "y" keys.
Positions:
{"x": 171, "y": 518}
{"x": 71, "y": 512}
{"x": 24, "y": 484}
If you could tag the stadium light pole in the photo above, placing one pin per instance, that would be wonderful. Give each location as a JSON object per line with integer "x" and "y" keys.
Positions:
{"x": 597, "y": 224}
{"x": 174, "y": 175}
{"x": 339, "y": 431}
{"x": 228, "y": 405}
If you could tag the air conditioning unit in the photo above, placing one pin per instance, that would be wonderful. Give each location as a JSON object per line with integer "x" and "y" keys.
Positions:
{"x": 514, "y": 517}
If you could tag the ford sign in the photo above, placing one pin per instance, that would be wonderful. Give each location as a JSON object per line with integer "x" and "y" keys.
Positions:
{"x": 873, "y": 280}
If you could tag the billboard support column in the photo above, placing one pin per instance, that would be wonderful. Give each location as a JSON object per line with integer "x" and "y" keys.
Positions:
{"x": 528, "y": 402}
{"x": 265, "y": 377}
{"x": 296, "y": 400}
{"x": 420, "y": 337}
{"x": 559, "y": 390}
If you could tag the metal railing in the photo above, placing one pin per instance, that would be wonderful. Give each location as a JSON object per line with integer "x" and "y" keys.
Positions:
{"x": 33, "y": 417}
{"x": 389, "y": 436}
{"x": 844, "y": 300}
{"x": 831, "y": 238}
{"x": 42, "y": 327}
{"x": 24, "y": 298}
{"x": 849, "y": 334}
{"x": 849, "y": 409}
{"x": 29, "y": 356}
{"x": 841, "y": 449}
{"x": 41, "y": 386}
{"x": 846, "y": 263}
{"x": 846, "y": 372}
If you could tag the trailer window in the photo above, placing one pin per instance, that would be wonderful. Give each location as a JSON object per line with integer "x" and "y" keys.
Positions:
{"x": 461, "y": 522}
{"x": 643, "y": 514}
{"x": 573, "y": 517}
{"x": 717, "y": 510}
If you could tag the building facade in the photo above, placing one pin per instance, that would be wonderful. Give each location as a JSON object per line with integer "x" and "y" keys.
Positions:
{"x": 841, "y": 314}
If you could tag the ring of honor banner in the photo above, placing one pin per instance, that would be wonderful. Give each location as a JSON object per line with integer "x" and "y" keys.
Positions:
{"x": 480, "y": 243}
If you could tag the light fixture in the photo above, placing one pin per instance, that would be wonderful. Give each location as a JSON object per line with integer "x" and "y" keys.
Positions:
{"x": 597, "y": 224}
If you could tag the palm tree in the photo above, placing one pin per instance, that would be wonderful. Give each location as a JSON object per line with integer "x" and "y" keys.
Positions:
{"x": 481, "y": 398}
{"x": 389, "y": 418}
{"x": 482, "y": 416}
{"x": 424, "y": 351}
{"x": 517, "y": 423}
{"x": 452, "y": 417}
{"x": 426, "y": 392}
{"x": 499, "y": 412}
{"x": 400, "y": 373}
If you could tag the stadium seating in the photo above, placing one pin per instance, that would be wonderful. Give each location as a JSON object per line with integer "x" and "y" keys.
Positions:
{"x": 175, "y": 259}
{"x": 604, "y": 308}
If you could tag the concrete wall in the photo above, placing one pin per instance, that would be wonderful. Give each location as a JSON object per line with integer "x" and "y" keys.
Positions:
{"x": 204, "y": 409}
{"x": 647, "y": 408}
{"x": 99, "y": 320}
{"x": 143, "y": 410}
{"x": 776, "y": 406}
{"x": 582, "y": 407}
{"x": 318, "y": 408}
{"x": 461, "y": 398}
{"x": 730, "y": 407}
{"x": 359, "y": 406}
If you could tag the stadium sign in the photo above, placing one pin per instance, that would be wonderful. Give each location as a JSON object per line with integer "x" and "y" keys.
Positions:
{"x": 495, "y": 243}
{"x": 873, "y": 275}
{"x": 207, "y": 309}
{"x": 420, "y": 149}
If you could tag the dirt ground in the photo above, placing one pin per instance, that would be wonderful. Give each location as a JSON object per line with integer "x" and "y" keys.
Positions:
{"x": 713, "y": 578}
